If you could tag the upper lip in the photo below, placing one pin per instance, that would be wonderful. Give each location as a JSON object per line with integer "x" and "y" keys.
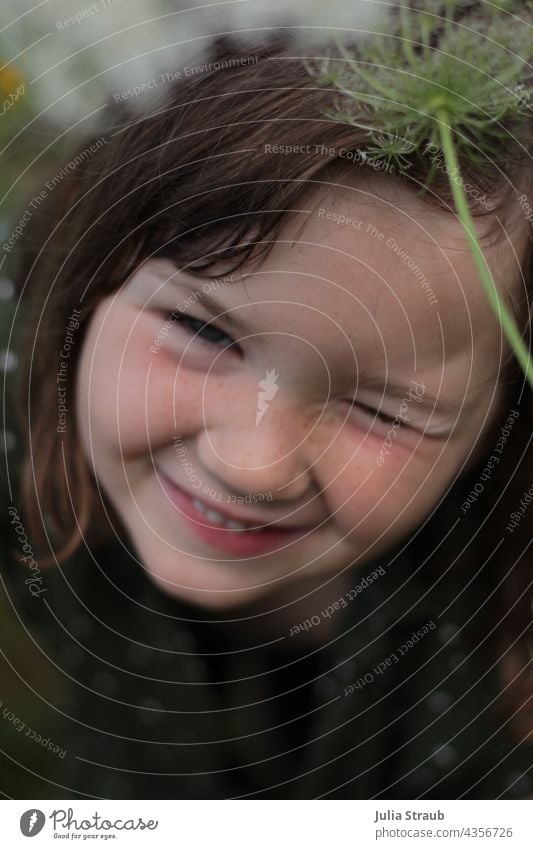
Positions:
{"x": 249, "y": 520}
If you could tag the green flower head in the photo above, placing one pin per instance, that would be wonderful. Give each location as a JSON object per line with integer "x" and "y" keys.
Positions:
{"x": 464, "y": 64}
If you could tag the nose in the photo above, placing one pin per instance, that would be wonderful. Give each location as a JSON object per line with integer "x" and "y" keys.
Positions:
{"x": 243, "y": 456}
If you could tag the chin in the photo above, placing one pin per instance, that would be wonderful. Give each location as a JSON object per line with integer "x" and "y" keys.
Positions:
{"x": 211, "y": 598}
{"x": 200, "y": 582}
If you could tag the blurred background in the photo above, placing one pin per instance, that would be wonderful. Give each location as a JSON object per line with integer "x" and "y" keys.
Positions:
{"x": 64, "y": 62}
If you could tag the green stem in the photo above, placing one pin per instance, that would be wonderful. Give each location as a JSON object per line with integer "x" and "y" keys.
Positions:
{"x": 425, "y": 28}
{"x": 372, "y": 82}
{"x": 406, "y": 37}
{"x": 504, "y": 316}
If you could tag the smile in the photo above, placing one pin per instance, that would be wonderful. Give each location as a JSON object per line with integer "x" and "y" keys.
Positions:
{"x": 218, "y": 519}
{"x": 226, "y": 533}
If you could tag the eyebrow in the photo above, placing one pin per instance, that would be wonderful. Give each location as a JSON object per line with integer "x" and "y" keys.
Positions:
{"x": 232, "y": 321}
{"x": 439, "y": 404}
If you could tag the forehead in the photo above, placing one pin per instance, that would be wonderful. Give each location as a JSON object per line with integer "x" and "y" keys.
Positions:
{"x": 393, "y": 269}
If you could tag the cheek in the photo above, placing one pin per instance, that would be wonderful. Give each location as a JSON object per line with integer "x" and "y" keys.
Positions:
{"x": 368, "y": 498}
{"x": 133, "y": 398}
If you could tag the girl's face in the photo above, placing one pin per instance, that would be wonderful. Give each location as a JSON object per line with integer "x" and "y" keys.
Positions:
{"x": 334, "y": 396}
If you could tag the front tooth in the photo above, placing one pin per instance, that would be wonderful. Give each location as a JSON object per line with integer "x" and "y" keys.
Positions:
{"x": 213, "y": 516}
{"x": 236, "y": 526}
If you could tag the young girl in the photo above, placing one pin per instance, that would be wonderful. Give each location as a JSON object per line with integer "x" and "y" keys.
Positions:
{"x": 275, "y": 455}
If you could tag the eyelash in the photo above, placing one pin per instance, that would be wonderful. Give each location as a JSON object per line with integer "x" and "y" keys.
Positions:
{"x": 188, "y": 320}
{"x": 383, "y": 418}
{"x": 201, "y": 326}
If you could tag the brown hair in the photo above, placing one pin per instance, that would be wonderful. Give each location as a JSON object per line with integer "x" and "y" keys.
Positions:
{"x": 193, "y": 178}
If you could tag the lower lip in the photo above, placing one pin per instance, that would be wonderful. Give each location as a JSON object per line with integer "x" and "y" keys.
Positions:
{"x": 225, "y": 539}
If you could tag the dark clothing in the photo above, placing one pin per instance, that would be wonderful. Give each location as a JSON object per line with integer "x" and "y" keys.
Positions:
{"x": 155, "y": 700}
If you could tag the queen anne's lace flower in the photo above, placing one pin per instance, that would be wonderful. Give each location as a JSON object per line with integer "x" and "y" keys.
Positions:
{"x": 421, "y": 65}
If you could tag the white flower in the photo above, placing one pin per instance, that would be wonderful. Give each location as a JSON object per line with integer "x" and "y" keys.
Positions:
{"x": 315, "y": 19}
{"x": 76, "y": 55}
